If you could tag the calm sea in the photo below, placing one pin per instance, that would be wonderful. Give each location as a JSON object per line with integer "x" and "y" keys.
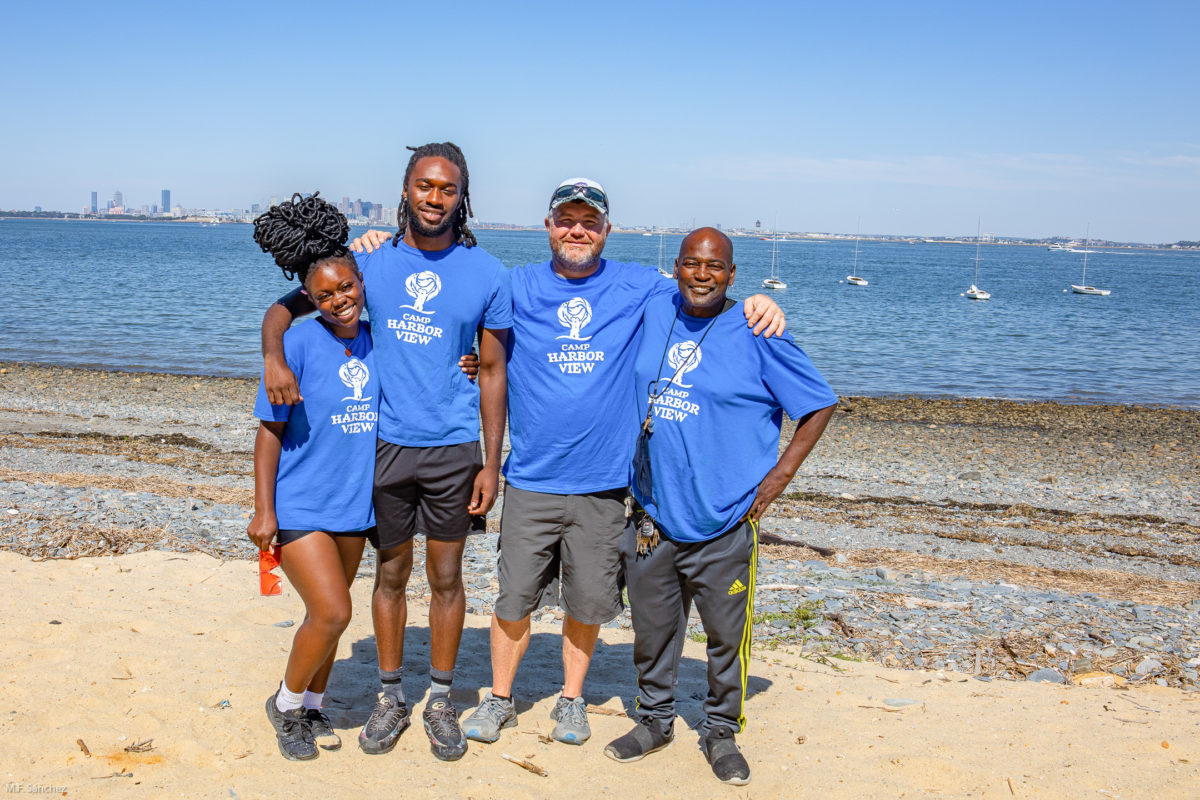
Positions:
{"x": 189, "y": 299}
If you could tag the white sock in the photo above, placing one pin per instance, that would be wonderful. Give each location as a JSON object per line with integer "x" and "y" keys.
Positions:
{"x": 287, "y": 700}
{"x": 313, "y": 699}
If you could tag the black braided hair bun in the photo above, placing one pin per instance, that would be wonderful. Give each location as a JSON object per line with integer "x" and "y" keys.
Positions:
{"x": 300, "y": 232}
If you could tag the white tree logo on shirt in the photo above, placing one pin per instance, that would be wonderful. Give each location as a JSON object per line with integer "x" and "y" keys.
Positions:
{"x": 683, "y": 358}
{"x": 355, "y": 375}
{"x": 574, "y": 314}
{"x": 423, "y": 286}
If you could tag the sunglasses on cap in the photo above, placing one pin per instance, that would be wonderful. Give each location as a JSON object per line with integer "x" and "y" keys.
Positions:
{"x": 580, "y": 191}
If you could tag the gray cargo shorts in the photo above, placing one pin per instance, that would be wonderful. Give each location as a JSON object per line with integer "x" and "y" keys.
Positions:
{"x": 577, "y": 535}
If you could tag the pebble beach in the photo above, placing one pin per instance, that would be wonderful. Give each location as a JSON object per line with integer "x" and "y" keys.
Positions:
{"x": 983, "y": 541}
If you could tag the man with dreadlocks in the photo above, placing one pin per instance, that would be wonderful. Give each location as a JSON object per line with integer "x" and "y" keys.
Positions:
{"x": 576, "y": 322}
{"x": 428, "y": 290}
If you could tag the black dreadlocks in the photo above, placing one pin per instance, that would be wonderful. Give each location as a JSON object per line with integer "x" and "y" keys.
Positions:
{"x": 451, "y": 152}
{"x": 302, "y": 232}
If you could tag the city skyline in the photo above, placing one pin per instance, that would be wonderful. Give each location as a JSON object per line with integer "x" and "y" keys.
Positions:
{"x": 918, "y": 119}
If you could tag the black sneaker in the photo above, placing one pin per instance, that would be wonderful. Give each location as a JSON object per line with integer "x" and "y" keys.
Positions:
{"x": 441, "y": 725}
{"x": 322, "y": 730}
{"x": 726, "y": 760}
{"x": 292, "y": 732}
{"x": 645, "y": 738}
{"x": 384, "y": 726}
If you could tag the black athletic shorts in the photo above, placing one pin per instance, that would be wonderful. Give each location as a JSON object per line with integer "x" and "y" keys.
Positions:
{"x": 425, "y": 490}
{"x": 287, "y": 536}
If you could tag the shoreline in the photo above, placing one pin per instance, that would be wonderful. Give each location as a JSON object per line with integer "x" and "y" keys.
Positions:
{"x": 888, "y": 397}
{"x": 1016, "y": 576}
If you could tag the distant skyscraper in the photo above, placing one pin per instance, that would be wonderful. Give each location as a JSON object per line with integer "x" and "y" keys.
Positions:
{"x": 118, "y": 198}
{"x": 166, "y": 200}
{"x": 345, "y": 209}
{"x": 95, "y": 200}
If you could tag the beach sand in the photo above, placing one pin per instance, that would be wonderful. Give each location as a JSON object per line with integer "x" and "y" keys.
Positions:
{"x": 113, "y": 652}
{"x": 177, "y": 646}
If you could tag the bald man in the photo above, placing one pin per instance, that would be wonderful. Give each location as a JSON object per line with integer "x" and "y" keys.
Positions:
{"x": 706, "y": 468}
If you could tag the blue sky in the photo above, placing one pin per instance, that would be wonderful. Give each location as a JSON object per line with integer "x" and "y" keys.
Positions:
{"x": 916, "y": 117}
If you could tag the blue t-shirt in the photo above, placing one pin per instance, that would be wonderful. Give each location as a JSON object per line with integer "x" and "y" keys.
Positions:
{"x": 425, "y": 307}
{"x": 571, "y": 412}
{"x": 716, "y": 426}
{"x": 327, "y": 464}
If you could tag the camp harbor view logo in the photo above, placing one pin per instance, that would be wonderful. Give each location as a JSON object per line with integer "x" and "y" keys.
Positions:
{"x": 576, "y": 356}
{"x": 416, "y": 328}
{"x": 683, "y": 358}
{"x": 423, "y": 286}
{"x": 358, "y": 416}
{"x": 674, "y": 404}
{"x": 355, "y": 375}
{"x": 574, "y": 314}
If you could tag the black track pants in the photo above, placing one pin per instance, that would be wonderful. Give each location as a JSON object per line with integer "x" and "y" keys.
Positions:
{"x": 719, "y": 576}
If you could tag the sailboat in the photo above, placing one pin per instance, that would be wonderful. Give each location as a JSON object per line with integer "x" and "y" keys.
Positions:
{"x": 975, "y": 293}
{"x": 773, "y": 282}
{"x": 1083, "y": 287}
{"x": 663, "y": 272}
{"x": 853, "y": 278}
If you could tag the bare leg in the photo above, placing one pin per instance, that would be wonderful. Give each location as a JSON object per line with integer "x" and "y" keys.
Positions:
{"x": 314, "y": 567}
{"x": 578, "y": 642}
{"x": 389, "y": 607}
{"x": 448, "y": 606}
{"x": 351, "y": 550}
{"x": 510, "y": 640}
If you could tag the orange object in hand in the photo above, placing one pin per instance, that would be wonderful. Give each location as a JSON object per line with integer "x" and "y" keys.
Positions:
{"x": 268, "y": 582}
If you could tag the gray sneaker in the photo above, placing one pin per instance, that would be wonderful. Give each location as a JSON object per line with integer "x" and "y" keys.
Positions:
{"x": 292, "y": 732}
{"x": 571, "y": 716}
{"x": 441, "y": 726}
{"x": 322, "y": 729}
{"x": 384, "y": 726}
{"x": 485, "y": 723}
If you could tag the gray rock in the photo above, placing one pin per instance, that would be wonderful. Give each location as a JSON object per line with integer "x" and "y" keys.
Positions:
{"x": 885, "y": 573}
{"x": 970, "y": 475}
{"x": 1147, "y": 666}
{"x": 1046, "y": 676}
{"x": 900, "y": 702}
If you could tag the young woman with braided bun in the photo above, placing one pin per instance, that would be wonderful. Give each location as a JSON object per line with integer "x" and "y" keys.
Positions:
{"x": 430, "y": 292}
{"x": 314, "y": 461}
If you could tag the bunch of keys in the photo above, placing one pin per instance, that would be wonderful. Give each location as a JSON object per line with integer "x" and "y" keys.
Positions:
{"x": 647, "y": 536}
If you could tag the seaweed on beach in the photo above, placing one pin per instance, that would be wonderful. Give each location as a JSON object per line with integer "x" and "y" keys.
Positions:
{"x": 60, "y": 537}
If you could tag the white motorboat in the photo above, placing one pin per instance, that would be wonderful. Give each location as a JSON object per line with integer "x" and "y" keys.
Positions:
{"x": 1082, "y": 287}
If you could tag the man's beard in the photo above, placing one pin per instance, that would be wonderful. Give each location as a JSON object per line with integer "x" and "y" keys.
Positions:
{"x": 576, "y": 262}
{"x": 421, "y": 228}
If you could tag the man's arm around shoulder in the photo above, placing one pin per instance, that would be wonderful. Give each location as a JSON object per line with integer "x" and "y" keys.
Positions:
{"x": 493, "y": 410}
{"x": 280, "y": 382}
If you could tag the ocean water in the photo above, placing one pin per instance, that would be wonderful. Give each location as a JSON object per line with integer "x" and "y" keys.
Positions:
{"x": 189, "y": 299}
